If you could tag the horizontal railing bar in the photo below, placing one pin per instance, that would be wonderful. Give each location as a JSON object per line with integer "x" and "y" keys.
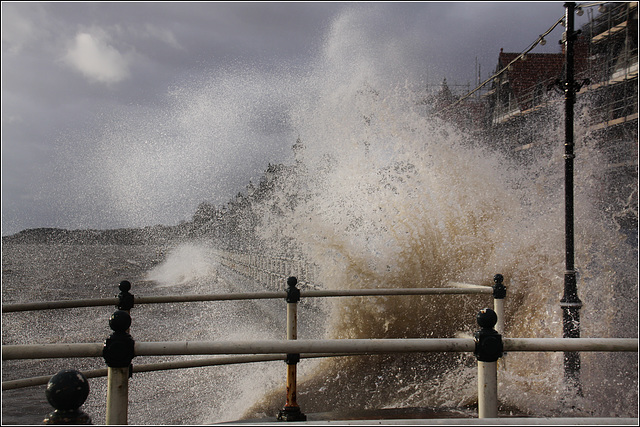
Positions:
{"x": 469, "y": 285}
{"x": 164, "y": 366}
{"x": 96, "y": 302}
{"x": 44, "y": 379}
{"x": 40, "y": 351}
{"x": 383, "y": 346}
{"x": 43, "y": 351}
{"x": 46, "y": 305}
{"x": 210, "y": 297}
{"x": 570, "y": 344}
{"x": 51, "y": 351}
{"x": 305, "y": 346}
{"x": 400, "y": 292}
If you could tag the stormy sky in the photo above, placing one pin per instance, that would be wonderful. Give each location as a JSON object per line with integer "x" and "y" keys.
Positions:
{"x": 122, "y": 114}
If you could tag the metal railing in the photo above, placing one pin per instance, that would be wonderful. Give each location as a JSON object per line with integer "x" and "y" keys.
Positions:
{"x": 119, "y": 349}
{"x": 269, "y": 270}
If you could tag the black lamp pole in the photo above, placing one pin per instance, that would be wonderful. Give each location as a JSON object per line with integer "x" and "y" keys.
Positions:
{"x": 570, "y": 302}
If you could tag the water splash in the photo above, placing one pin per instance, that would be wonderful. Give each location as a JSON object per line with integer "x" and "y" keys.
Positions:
{"x": 185, "y": 264}
{"x": 388, "y": 196}
{"x": 383, "y": 195}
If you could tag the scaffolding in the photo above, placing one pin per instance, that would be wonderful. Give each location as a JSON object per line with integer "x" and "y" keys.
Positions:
{"x": 613, "y": 64}
{"x": 606, "y": 60}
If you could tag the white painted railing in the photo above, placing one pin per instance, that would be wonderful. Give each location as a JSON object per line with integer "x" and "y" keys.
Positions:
{"x": 344, "y": 346}
{"x": 96, "y": 302}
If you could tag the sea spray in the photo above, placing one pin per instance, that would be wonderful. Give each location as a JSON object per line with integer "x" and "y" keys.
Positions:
{"x": 388, "y": 196}
{"x": 194, "y": 268}
{"x": 381, "y": 193}
{"x": 185, "y": 263}
{"x": 404, "y": 203}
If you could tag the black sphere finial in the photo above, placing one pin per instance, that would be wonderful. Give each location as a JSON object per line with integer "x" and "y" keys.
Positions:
{"x": 120, "y": 321}
{"x": 293, "y": 293}
{"x": 499, "y": 289}
{"x": 125, "y": 286}
{"x": 125, "y": 298}
{"x": 68, "y": 389}
{"x": 488, "y": 341}
{"x": 292, "y": 282}
{"x": 66, "y": 392}
{"x": 119, "y": 348}
{"x": 487, "y": 318}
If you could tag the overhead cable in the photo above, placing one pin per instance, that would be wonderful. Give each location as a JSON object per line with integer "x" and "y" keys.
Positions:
{"x": 529, "y": 49}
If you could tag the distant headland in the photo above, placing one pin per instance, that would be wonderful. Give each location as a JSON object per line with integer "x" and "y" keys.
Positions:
{"x": 121, "y": 236}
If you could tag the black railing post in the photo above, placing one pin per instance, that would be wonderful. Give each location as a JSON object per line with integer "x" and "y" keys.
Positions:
{"x": 66, "y": 392}
{"x": 489, "y": 349}
{"x": 125, "y": 299}
{"x": 570, "y": 302}
{"x": 118, "y": 352}
{"x": 499, "y": 294}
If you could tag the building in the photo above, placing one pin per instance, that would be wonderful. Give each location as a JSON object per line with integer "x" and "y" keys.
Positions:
{"x": 613, "y": 92}
{"x": 525, "y": 100}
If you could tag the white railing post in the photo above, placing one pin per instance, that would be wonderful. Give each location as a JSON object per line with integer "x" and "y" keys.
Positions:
{"x": 118, "y": 352}
{"x": 488, "y": 350}
{"x": 487, "y": 389}
{"x": 117, "y": 396}
{"x": 291, "y": 410}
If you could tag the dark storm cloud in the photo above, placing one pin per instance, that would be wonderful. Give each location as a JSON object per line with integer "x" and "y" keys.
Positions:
{"x": 91, "y": 85}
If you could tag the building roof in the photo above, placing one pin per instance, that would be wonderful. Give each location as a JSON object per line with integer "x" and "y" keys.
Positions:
{"x": 538, "y": 69}
{"x": 525, "y": 75}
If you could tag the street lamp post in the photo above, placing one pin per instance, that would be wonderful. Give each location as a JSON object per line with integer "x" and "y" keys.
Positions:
{"x": 570, "y": 302}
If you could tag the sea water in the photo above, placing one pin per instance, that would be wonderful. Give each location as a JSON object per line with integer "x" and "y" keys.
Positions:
{"x": 384, "y": 194}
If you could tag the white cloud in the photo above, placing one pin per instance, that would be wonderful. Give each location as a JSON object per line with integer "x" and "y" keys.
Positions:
{"x": 96, "y": 59}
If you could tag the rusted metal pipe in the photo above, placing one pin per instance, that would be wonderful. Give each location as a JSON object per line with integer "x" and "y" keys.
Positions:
{"x": 291, "y": 410}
